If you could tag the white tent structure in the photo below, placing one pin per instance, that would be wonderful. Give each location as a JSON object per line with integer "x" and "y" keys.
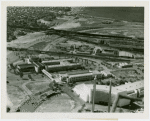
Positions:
{"x": 85, "y": 92}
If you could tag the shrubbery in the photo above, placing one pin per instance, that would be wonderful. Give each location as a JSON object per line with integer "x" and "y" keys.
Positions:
{"x": 26, "y": 17}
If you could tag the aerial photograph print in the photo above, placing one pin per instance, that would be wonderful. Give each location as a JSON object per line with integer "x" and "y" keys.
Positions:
{"x": 75, "y": 59}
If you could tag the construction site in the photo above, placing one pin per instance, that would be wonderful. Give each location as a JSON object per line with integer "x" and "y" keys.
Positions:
{"x": 76, "y": 70}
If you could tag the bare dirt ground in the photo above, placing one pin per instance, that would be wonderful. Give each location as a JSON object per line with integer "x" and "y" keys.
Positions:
{"x": 58, "y": 103}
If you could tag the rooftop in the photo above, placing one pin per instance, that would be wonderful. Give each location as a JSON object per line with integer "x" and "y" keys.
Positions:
{"x": 78, "y": 72}
{"x": 25, "y": 65}
{"x": 38, "y": 64}
{"x": 52, "y": 63}
{"x": 51, "y": 66}
{"x": 78, "y": 75}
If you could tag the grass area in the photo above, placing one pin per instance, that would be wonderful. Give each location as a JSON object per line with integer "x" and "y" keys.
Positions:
{"x": 40, "y": 45}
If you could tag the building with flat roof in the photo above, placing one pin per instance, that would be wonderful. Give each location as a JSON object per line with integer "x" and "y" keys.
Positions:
{"x": 78, "y": 72}
{"x": 82, "y": 75}
{"x": 65, "y": 67}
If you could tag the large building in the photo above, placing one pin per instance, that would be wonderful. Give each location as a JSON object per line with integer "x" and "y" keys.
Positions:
{"x": 25, "y": 68}
{"x": 85, "y": 91}
{"x": 77, "y": 76}
{"x": 65, "y": 67}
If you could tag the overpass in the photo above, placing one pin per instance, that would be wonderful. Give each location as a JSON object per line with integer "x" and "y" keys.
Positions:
{"x": 48, "y": 74}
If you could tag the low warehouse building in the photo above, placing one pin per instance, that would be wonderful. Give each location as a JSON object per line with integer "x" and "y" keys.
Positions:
{"x": 84, "y": 75}
{"x": 26, "y": 68}
{"x": 81, "y": 77}
{"x": 55, "y": 68}
{"x": 52, "y": 62}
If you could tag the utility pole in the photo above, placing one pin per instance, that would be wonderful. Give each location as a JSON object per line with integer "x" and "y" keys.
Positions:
{"x": 94, "y": 89}
{"x": 109, "y": 100}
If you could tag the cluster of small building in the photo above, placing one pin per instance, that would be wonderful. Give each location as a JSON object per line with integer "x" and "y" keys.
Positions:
{"x": 36, "y": 65}
{"x": 104, "y": 51}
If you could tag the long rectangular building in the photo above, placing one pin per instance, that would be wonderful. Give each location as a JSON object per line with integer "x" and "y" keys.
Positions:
{"x": 55, "y": 68}
{"x": 26, "y": 67}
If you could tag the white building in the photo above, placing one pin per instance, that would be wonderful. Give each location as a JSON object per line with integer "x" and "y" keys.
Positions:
{"x": 102, "y": 92}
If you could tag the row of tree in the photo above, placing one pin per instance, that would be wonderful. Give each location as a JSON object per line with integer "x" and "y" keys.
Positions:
{"x": 27, "y": 17}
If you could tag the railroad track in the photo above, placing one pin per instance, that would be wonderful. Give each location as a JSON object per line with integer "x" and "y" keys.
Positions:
{"x": 68, "y": 32}
{"x": 73, "y": 54}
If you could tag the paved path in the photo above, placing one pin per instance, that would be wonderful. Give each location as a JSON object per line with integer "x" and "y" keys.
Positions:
{"x": 26, "y": 89}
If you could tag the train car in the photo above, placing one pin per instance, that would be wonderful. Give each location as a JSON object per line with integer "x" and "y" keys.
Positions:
{"x": 124, "y": 54}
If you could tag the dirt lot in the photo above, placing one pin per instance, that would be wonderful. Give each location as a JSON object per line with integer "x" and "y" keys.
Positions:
{"x": 35, "y": 87}
{"x": 60, "y": 103}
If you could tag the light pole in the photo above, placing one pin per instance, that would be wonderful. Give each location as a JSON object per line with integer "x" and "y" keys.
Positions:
{"x": 109, "y": 100}
{"x": 94, "y": 89}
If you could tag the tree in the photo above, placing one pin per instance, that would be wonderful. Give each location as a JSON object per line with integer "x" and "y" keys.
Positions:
{"x": 12, "y": 66}
{"x": 21, "y": 75}
{"x": 30, "y": 77}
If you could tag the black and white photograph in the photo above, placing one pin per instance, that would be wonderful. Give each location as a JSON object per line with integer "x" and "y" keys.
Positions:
{"x": 75, "y": 59}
